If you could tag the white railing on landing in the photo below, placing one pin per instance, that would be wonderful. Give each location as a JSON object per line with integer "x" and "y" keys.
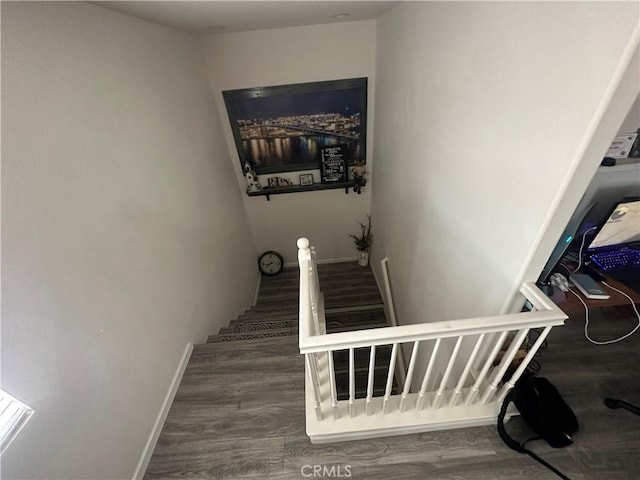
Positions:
{"x": 457, "y": 372}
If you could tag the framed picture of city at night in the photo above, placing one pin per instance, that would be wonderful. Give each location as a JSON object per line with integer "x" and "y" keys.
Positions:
{"x": 283, "y": 128}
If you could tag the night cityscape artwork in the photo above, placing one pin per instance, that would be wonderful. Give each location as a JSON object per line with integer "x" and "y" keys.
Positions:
{"x": 282, "y": 128}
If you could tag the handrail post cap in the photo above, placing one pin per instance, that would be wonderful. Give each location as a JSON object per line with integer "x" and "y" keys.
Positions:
{"x": 303, "y": 243}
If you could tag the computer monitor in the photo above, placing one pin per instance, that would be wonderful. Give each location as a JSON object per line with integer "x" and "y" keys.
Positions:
{"x": 570, "y": 232}
{"x": 621, "y": 228}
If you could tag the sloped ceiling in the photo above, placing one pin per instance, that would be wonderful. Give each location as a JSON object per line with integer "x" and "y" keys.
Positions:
{"x": 207, "y": 17}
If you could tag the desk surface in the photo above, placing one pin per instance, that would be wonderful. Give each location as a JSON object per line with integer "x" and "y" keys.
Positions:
{"x": 571, "y": 304}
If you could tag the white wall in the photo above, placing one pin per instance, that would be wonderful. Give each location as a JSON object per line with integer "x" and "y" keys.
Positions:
{"x": 296, "y": 55}
{"x": 124, "y": 236}
{"x": 489, "y": 109}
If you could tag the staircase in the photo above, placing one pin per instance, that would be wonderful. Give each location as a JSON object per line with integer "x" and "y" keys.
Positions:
{"x": 352, "y": 302}
{"x": 321, "y": 364}
{"x": 244, "y": 387}
{"x": 457, "y": 374}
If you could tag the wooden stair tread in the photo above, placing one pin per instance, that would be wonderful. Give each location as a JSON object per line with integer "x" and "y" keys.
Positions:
{"x": 354, "y": 328}
{"x": 259, "y": 316}
{"x": 272, "y": 308}
{"x": 343, "y": 299}
{"x": 255, "y": 345}
{"x": 242, "y": 336}
{"x": 249, "y": 327}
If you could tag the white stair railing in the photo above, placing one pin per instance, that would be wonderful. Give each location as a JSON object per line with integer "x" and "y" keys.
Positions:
{"x": 459, "y": 371}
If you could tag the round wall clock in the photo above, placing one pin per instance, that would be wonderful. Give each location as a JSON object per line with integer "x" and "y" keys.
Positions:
{"x": 270, "y": 263}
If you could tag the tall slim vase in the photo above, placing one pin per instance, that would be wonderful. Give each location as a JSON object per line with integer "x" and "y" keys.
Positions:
{"x": 363, "y": 258}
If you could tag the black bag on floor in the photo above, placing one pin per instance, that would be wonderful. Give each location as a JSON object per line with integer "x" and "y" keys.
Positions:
{"x": 545, "y": 411}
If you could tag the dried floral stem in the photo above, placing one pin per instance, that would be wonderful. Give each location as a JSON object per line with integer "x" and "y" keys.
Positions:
{"x": 363, "y": 241}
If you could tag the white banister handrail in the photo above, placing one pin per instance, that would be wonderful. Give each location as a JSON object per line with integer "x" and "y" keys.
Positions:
{"x": 462, "y": 384}
{"x": 539, "y": 300}
{"x": 545, "y": 313}
{"x": 427, "y": 331}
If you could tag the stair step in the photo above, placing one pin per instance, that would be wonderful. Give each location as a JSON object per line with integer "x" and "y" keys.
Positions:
{"x": 286, "y": 272}
{"x": 293, "y": 291}
{"x": 356, "y": 328}
{"x": 255, "y": 347}
{"x": 263, "y": 316}
{"x": 273, "y": 308}
{"x": 258, "y": 326}
{"x": 356, "y": 320}
{"x": 234, "y": 337}
{"x": 351, "y": 300}
{"x": 336, "y": 322}
{"x": 279, "y": 289}
{"x": 330, "y": 301}
{"x": 288, "y": 295}
{"x": 348, "y": 270}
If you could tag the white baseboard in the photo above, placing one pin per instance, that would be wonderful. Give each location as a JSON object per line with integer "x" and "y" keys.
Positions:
{"x": 255, "y": 295}
{"x": 143, "y": 463}
{"x": 385, "y": 300}
{"x": 327, "y": 260}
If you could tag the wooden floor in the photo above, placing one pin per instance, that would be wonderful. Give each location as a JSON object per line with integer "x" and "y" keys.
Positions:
{"x": 239, "y": 414}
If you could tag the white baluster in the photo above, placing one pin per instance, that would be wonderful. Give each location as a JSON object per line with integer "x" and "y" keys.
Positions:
{"x": 372, "y": 366}
{"x": 332, "y": 379}
{"x": 407, "y": 381}
{"x": 473, "y": 393}
{"x": 447, "y": 373}
{"x": 427, "y": 375}
{"x": 525, "y": 362}
{"x": 389, "y": 386}
{"x": 499, "y": 372}
{"x": 463, "y": 378}
{"x": 352, "y": 384}
{"x": 312, "y": 366}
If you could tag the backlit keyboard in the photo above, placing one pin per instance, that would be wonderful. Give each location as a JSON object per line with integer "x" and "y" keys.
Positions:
{"x": 614, "y": 259}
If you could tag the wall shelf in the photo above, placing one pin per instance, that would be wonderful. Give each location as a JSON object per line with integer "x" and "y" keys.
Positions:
{"x": 302, "y": 188}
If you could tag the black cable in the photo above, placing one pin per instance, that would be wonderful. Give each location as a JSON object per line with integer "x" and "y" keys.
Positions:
{"x": 546, "y": 464}
{"x": 514, "y": 444}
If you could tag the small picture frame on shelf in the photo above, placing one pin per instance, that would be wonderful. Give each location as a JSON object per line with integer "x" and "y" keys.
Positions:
{"x": 306, "y": 179}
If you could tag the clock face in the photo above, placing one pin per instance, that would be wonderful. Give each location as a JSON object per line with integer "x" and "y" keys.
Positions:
{"x": 270, "y": 263}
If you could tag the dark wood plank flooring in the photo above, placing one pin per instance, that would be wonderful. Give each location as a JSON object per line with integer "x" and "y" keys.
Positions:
{"x": 239, "y": 414}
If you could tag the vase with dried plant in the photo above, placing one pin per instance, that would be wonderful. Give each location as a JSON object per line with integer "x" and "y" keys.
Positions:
{"x": 363, "y": 242}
